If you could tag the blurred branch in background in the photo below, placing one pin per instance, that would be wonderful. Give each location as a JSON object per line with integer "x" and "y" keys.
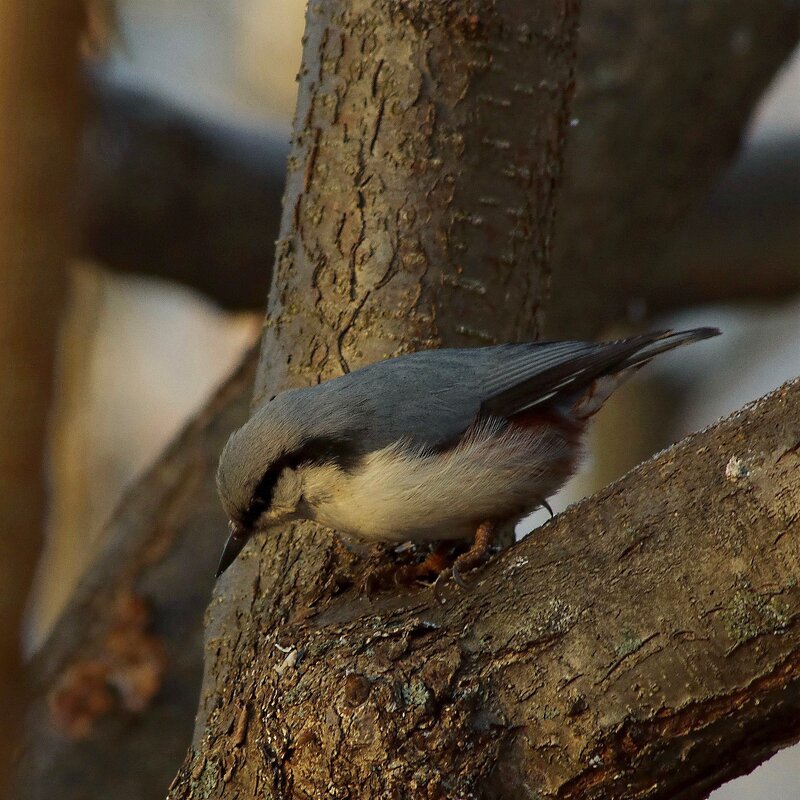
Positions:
{"x": 138, "y": 357}
{"x": 663, "y": 96}
{"x": 745, "y": 236}
{"x": 42, "y": 102}
{"x": 165, "y": 194}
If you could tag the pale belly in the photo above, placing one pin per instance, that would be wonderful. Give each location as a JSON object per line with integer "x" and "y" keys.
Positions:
{"x": 405, "y": 495}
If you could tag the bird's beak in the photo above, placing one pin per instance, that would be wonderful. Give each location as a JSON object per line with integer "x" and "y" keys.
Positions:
{"x": 236, "y": 541}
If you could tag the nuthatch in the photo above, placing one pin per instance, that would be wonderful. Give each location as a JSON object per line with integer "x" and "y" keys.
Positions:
{"x": 438, "y": 445}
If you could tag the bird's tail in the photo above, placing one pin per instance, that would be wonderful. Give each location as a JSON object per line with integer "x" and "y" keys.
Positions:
{"x": 658, "y": 342}
{"x": 641, "y": 350}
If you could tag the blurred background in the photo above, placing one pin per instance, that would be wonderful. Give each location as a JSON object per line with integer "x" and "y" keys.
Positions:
{"x": 173, "y": 150}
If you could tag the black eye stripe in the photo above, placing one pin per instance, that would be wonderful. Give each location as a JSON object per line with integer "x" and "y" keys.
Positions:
{"x": 262, "y": 495}
{"x": 321, "y": 450}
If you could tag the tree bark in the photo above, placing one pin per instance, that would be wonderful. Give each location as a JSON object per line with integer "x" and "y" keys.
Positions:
{"x": 408, "y": 192}
{"x": 40, "y": 100}
{"x": 543, "y": 679}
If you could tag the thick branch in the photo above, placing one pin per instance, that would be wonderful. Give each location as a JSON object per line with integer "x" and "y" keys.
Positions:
{"x": 117, "y": 682}
{"x": 545, "y": 676}
{"x": 160, "y": 195}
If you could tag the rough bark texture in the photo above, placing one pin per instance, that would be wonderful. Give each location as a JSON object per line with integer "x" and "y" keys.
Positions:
{"x": 663, "y": 93}
{"x": 116, "y": 684}
{"x": 543, "y": 679}
{"x": 40, "y": 102}
{"x": 408, "y": 192}
{"x": 413, "y": 217}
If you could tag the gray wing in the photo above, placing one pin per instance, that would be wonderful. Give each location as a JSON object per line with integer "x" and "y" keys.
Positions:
{"x": 430, "y": 398}
{"x": 566, "y": 368}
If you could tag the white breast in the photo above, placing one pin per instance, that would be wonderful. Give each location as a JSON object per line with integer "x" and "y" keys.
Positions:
{"x": 404, "y": 493}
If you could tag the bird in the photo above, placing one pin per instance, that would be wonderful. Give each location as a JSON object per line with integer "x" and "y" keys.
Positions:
{"x": 436, "y": 446}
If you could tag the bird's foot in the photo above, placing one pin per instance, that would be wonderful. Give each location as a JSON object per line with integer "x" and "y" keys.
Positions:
{"x": 386, "y": 576}
{"x": 545, "y": 505}
{"x": 437, "y": 565}
{"x": 476, "y": 555}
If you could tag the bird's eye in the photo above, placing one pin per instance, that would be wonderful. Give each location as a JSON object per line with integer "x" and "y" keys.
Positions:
{"x": 317, "y": 450}
{"x": 256, "y": 508}
{"x": 262, "y": 496}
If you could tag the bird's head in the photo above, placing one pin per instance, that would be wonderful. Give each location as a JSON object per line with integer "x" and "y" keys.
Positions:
{"x": 263, "y": 470}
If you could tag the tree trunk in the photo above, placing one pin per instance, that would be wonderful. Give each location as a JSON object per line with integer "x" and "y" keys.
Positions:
{"x": 414, "y": 216}
{"x": 408, "y": 192}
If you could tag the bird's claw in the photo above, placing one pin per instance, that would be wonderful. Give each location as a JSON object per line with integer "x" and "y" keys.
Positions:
{"x": 368, "y": 584}
{"x": 456, "y": 573}
{"x": 442, "y": 578}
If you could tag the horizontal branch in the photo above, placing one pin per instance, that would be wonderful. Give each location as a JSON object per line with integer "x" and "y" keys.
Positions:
{"x": 651, "y": 626}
